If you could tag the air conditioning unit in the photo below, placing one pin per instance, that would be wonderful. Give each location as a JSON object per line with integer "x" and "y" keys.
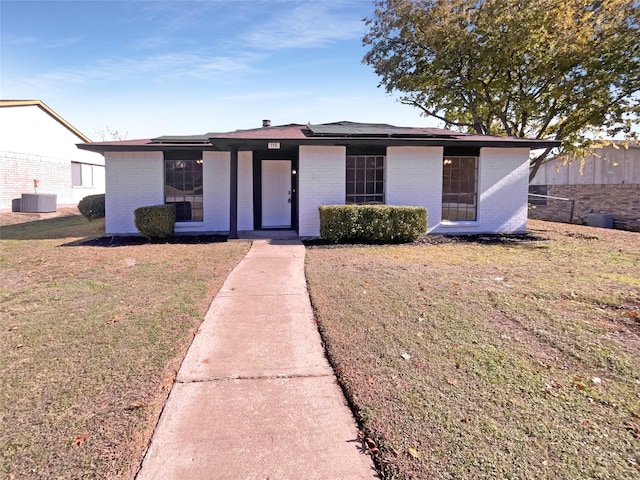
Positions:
{"x": 602, "y": 220}
{"x": 38, "y": 202}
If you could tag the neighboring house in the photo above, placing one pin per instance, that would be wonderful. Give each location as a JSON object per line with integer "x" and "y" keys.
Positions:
{"x": 606, "y": 182}
{"x": 37, "y": 144}
{"x": 276, "y": 177}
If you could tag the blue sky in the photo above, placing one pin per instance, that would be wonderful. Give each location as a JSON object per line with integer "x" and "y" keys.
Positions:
{"x": 150, "y": 68}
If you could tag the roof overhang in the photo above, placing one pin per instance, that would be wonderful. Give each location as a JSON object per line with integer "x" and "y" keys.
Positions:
{"x": 228, "y": 144}
{"x": 347, "y": 134}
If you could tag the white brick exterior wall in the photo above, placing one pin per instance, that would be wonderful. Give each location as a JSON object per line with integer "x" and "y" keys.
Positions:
{"x": 245, "y": 191}
{"x": 321, "y": 181}
{"x": 134, "y": 179}
{"x": 503, "y": 178}
{"x": 413, "y": 177}
{"x": 33, "y": 145}
{"x": 216, "y": 170}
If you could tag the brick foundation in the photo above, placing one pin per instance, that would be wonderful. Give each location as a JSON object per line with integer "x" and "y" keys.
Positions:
{"x": 622, "y": 201}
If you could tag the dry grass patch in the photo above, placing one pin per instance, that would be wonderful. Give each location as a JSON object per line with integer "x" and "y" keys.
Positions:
{"x": 91, "y": 340}
{"x": 471, "y": 361}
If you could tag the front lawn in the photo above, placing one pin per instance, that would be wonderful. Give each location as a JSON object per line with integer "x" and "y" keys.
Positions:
{"x": 91, "y": 338}
{"x": 465, "y": 360}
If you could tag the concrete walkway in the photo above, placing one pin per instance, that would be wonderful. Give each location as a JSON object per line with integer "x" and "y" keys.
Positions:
{"x": 255, "y": 397}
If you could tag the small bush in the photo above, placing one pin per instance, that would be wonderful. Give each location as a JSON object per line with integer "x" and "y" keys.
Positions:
{"x": 92, "y": 207}
{"x": 157, "y": 221}
{"x": 372, "y": 223}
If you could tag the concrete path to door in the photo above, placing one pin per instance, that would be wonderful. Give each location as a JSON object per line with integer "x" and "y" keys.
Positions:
{"x": 255, "y": 397}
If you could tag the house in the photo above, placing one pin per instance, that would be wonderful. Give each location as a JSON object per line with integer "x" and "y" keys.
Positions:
{"x": 38, "y": 144}
{"x": 275, "y": 177}
{"x": 605, "y": 182}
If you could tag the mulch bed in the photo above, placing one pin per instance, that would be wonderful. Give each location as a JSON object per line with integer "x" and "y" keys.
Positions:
{"x": 122, "y": 241}
{"x": 436, "y": 239}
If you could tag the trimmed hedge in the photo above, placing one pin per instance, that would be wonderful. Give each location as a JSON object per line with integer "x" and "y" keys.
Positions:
{"x": 157, "y": 221}
{"x": 92, "y": 206}
{"x": 371, "y": 223}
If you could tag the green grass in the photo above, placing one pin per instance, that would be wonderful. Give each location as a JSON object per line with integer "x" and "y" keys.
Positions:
{"x": 91, "y": 339}
{"x": 474, "y": 361}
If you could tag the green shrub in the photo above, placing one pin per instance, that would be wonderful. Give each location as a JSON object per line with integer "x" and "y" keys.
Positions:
{"x": 157, "y": 221}
{"x": 372, "y": 223}
{"x": 92, "y": 207}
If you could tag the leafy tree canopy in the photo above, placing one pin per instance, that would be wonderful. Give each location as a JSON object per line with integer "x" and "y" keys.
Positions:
{"x": 560, "y": 69}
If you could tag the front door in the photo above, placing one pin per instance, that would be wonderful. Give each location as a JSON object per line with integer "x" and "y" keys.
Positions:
{"x": 276, "y": 194}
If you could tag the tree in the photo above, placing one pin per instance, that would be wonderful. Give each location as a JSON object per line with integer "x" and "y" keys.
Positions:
{"x": 567, "y": 70}
{"x": 107, "y": 133}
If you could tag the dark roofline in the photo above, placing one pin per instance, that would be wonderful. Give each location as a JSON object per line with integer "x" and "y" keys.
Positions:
{"x": 227, "y": 144}
{"x": 342, "y": 133}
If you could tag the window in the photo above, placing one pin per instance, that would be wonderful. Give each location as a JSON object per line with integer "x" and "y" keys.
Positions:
{"x": 459, "y": 188}
{"x": 183, "y": 187}
{"x": 365, "y": 179}
{"x": 538, "y": 190}
{"x": 81, "y": 174}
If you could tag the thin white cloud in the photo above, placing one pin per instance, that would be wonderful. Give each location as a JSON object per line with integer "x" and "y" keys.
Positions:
{"x": 157, "y": 67}
{"x": 20, "y": 40}
{"x": 308, "y": 24}
{"x": 17, "y": 40}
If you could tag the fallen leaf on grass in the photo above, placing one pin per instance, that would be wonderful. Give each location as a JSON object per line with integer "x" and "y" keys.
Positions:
{"x": 135, "y": 405}
{"x": 113, "y": 320}
{"x": 633, "y": 429}
{"x": 413, "y": 452}
{"x": 632, "y": 314}
{"x": 78, "y": 440}
{"x": 168, "y": 381}
{"x": 368, "y": 443}
{"x": 12, "y": 328}
{"x": 579, "y": 385}
{"x": 544, "y": 365}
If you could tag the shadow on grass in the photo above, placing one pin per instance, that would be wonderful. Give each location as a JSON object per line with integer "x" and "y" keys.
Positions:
{"x": 53, "y": 228}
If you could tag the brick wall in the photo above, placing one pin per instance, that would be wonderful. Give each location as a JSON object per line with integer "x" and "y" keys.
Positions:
{"x": 245, "y": 191}
{"x": 18, "y": 170}
{"x": 413, "y": 177}
{"x": 134, "y": 179}
{"x": 502, "y": 193}
{"x": 322, "y": 181}
{"x": 216, "y": 190}
{"x": 622, "y": 201}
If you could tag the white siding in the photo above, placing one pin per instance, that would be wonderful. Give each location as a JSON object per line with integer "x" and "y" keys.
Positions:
{"x": 245, "y": 191}
{"x": 216, "y": 170}
{"x": 133, "y": 179}
{"x": 609, "y": 165}
{"x": 503, "y": 178}
{"x": 321, "y": 181}
{"x": 413, "y": 177}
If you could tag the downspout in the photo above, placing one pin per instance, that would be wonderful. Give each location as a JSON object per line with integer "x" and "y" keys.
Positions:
{"x": 233, "y": 195}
